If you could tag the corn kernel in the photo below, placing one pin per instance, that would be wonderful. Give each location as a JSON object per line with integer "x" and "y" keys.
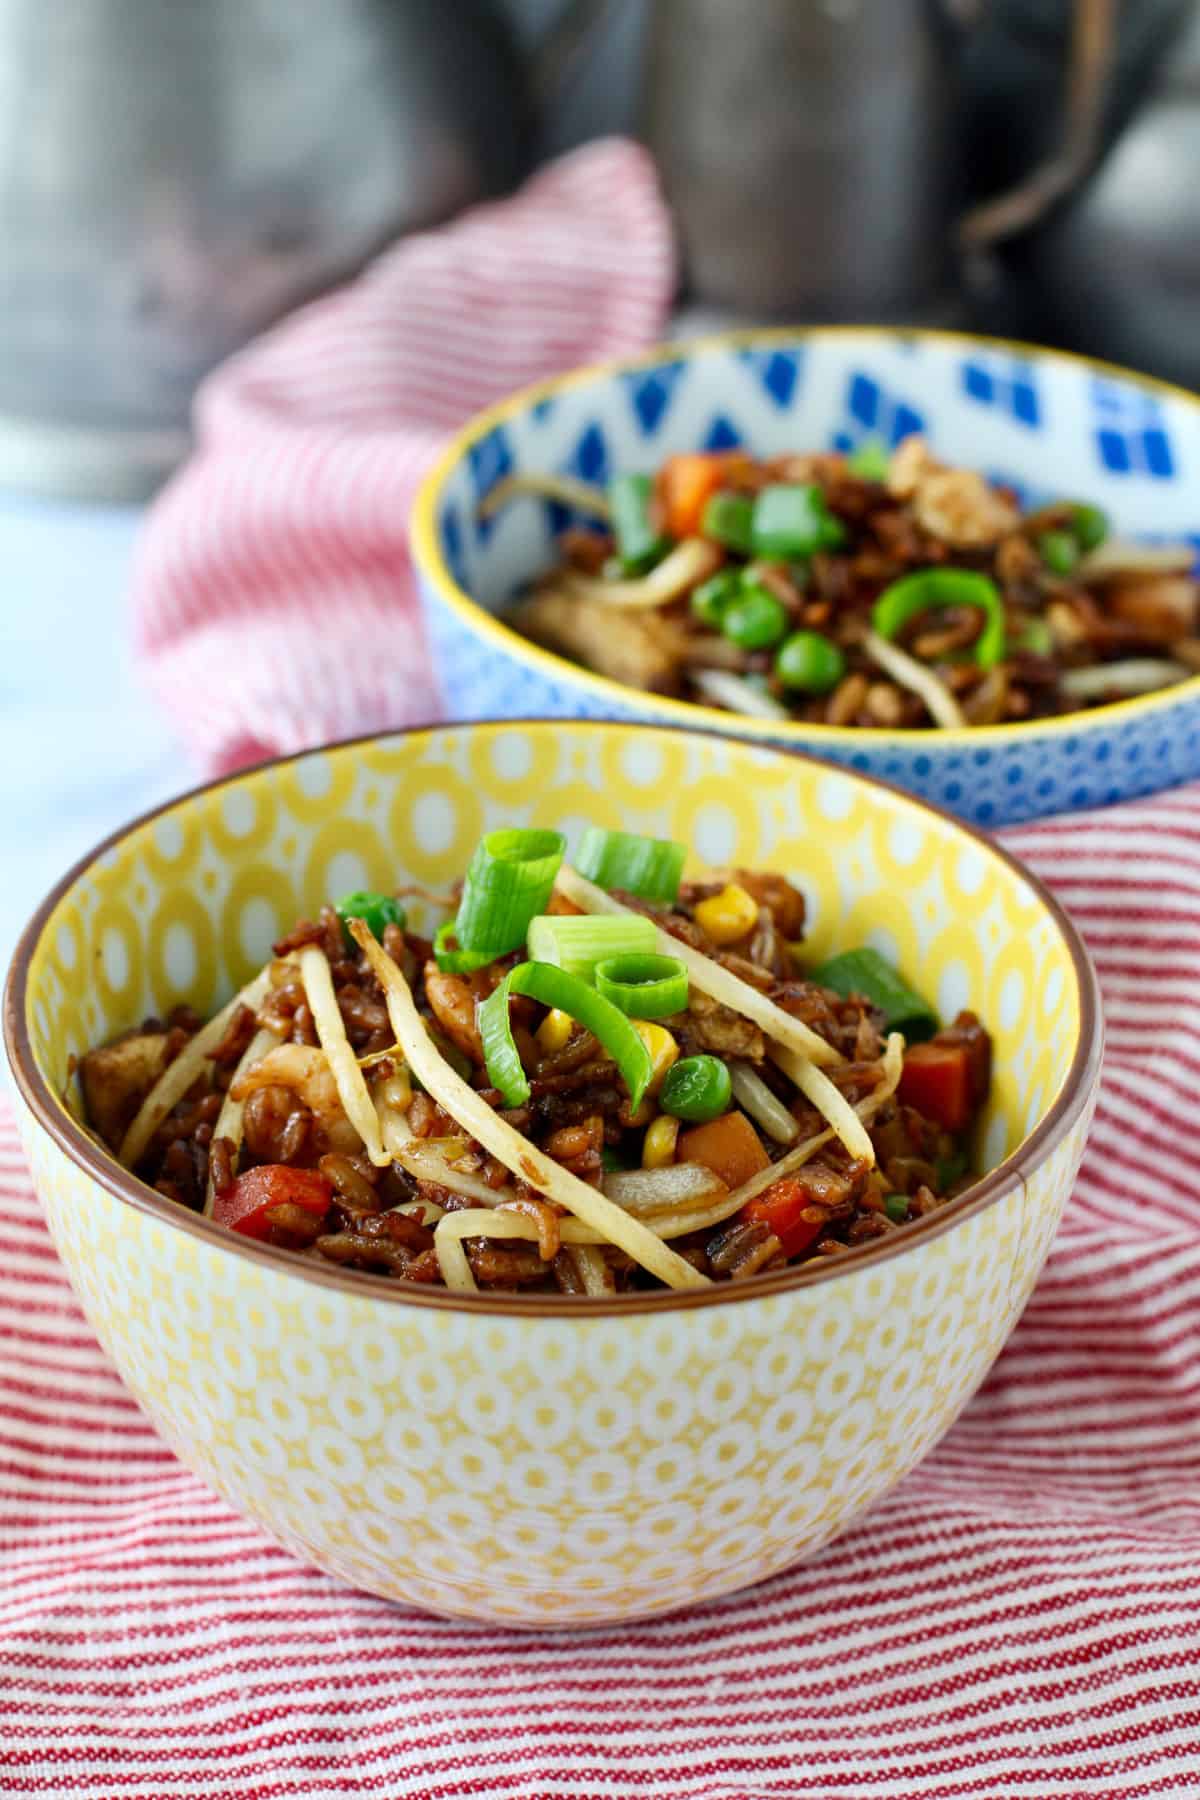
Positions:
{"x": 554, "y": 1031}
{"x": 727, "y": 916}
{"x": 658, "y": 1145}
{"x": 662, "y": 1047}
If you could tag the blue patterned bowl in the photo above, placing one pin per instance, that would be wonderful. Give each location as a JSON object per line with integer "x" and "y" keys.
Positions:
{"x": 1042, "y": 421}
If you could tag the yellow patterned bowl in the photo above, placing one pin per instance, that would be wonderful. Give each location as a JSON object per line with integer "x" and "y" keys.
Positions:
{"x": 551, "y": 1461}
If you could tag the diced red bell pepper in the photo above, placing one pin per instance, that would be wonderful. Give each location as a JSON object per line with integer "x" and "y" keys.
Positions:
{"x": 687, "y": 483}
{"x": 783, "y": 1207}
{"x": 937, "y": 1082}
{"x": 246, "y": 1206}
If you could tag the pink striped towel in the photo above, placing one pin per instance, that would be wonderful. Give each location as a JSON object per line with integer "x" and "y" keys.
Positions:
{"x": 286, "y": 530}
{"x": 1021, "y": 1618}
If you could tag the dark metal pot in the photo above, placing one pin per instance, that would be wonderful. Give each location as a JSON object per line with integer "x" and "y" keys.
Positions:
{"x": 174, "y": 174}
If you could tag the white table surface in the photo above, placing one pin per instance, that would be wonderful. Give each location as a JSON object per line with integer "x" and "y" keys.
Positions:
{"x": 83, "y": 747}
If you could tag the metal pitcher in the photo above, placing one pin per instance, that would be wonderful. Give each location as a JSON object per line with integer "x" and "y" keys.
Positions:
{"x": 811, "y": 149}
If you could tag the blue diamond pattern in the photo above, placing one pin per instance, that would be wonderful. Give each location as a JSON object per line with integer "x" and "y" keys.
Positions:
{"x": 722, "y": 434}
{"x": 589, "y": 459}
{"x": 490, "y": 460}
{"x": 1130, "y": 434}
{"x": 873, "y": 412}
{"x": 542, "y": 409}
{"x": 452, "y": 545}
{"x": 777, "y": 370}
{"x": 651, "y": 392}
{"x": 1007, "y": 383}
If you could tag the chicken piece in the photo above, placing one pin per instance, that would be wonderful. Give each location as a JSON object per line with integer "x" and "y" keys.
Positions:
{"x": 956, "y": 505}
{"x": 453, "y": 1005}
{"x": 304, "y": 1071}
{"x": 1162, "y": 607}
{"x": 632, "y": 648}
{"x": 707, "y": 1025}
{"x": 911, "y": 462}
{"x": 118, "y": 1077}
{"x": 961, "y": 508}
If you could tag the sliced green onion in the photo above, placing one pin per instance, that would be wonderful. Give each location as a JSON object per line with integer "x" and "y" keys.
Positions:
{"x": 809, "y": 663}
{"x": 644, "y": 986}
{"x": 509, "y": 880}
{"x": 712, "y": 597}
{"x": 928, "y": 589}
{"x": 555, "y": 987}
{"x": 1090, "y": 526}
{"x": 865, "y": 972}
{"x": 1037, "y": 638}
{"x": 896, "y": 1208}
{"x": 1059, "y": 550}
{"x": 755, "y": 619}
{"x": 697, "y": 1089}
{"x": 449, "y": 958}
{"x": 645, "y": 866}
{"x": 870, "y": 462}
{"x": 728, "y": 520}
{"x": 640, "y": 544}
{"x": 792, "y": 519}
{"x": 576, "y": 942}
{"x": 375, "y": 910}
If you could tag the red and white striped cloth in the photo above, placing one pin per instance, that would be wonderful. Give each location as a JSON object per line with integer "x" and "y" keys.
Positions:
{"x": 284, "y": 537}
{"x": 1021, "y": 1618}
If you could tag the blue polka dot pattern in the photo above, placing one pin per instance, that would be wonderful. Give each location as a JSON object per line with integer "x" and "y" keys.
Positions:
{"x": 1048, "y": 424}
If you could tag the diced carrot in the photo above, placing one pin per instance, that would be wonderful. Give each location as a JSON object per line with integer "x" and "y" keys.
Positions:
{"x": 685, "y": 486}
{"x": 729, "y": 1146}
{"x": 937, "y": 1081}
{"x": 246, "y": 1206}
{"x": 785, "y": 1208}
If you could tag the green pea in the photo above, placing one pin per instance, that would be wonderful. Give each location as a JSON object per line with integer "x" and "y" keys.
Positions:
{"x": 810, "y": 663}
{"x": 1059, "y": 551}
{"x": 756, "y": 620}
{"x": 697, "y": 1089}
{"x": 896, "y": 1208}
{"x": 1090, "y": 526}
{"x": 712, "y": 598}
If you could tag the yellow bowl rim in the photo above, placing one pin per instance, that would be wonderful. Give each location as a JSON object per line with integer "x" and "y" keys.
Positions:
{"x": 428, "y": 558}
{"x": 101, "y": 1166}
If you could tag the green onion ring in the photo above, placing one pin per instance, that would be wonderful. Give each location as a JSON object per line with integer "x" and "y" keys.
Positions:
{"x": 456, "y": 961}
{"x": 645, "y": 866}
{"x": 567, "y": 993}
{"x": 645, "y": 986}
{"x": 509, "y": 881}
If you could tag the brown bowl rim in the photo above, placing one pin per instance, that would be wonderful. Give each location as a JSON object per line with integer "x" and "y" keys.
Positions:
{"x": 81, "y": 1150}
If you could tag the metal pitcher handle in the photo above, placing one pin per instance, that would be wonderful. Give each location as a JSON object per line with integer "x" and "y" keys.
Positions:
{"x": 1089, "y": 73}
